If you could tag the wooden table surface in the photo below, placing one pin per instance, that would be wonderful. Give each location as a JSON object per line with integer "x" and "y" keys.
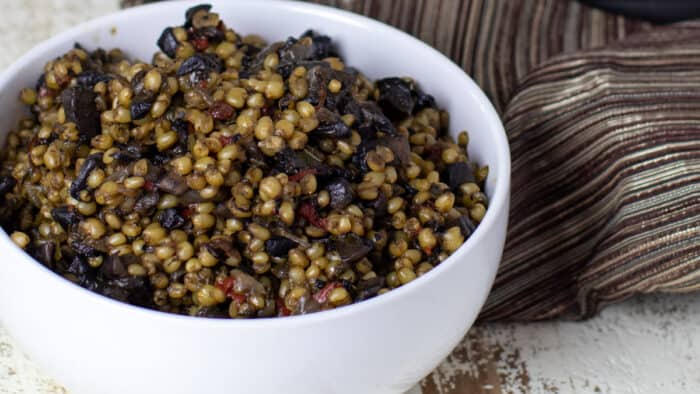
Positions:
{"x": 646, "y": 345}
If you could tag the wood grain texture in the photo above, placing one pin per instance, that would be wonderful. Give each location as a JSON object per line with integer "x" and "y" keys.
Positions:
{"x": 646, "y": 345}
{"x": 479, "y": 365}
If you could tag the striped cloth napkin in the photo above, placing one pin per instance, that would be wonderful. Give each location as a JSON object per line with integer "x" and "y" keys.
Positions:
{"x": 603, "y": 117}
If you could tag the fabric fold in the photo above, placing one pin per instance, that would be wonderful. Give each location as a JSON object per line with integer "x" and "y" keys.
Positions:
{"x": 606, "y": 174}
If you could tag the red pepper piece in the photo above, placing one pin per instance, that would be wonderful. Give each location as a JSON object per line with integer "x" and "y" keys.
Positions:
{"x": 226, "y": 140}
{"x": 308, "y": 212}
{"x": 226, "y": 285}
{"x": 432, "y": 152}
{"x": 239, "y": 298}
{"x": 200, "y": 43}
{"x": 297, "y": 177}
{"x": 45, "y": 92}
{"x": 323, "y": 294}
{"x": 148, "y": 185}
{"x": 186, "y": 212}
{"x": 282, "y": 310}
{"x": 33, "y": 142}
{"x": 221, "y": 111}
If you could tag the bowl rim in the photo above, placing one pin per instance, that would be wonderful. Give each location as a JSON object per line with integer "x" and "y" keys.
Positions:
{"x": 499, "y": 200}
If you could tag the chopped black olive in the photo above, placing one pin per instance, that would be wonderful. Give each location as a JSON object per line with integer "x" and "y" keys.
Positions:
{"x": 222, "y": 248}
{"x": 351, "y": 247}
{"x": 114, "y": 266}
{"x": 80, "y": 108}
{"x": 189, "y": 14}
{"x": 90, "y": 78}
{"x": 128, "y": 154}
{"x": 83, "y": 249}
{"x": 40, "y": 82}
{"x": 170, "y": 219}
{"x": 200, "y": 62}
{"x": 331, "y": 125}
{"x": 78, "y": 267}
{"x": 135, "y": 290}
{"x": 167, "y": 42}
{"x": 212, "y": 34}
{"x": 395, "y": 97}
{"x": 173, "y": 184}
{"x": 139, "y": 109}
{"x": 182, "y": 128}
{"x": 322, "y": 46}
{"x": 333, "y": 130}
{"x": 341, "y": 193}
{"x": 211, "y": 313}
{"x": 279, "y": 246}
{"x": 80, "y": 183}
{"x": 44, "y": 252}
{"x": 423, "y": 100}
{"x": 374, "y": 120}
{"x": 291, "y": 161}
{"x": 147, "y": 203}
{"x": 466, "y": 225}
{"x": 379, "y": 205}
{"x": 459, "y": 173}
{"x": 369, "y": 288}
{"x": 66, "y": 216}
{"x": 7, "y": 183}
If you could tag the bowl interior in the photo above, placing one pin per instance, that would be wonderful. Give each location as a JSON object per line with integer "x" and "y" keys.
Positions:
{"x": 375, "y": 49}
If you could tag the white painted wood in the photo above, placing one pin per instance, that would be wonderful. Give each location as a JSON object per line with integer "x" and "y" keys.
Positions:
{"x": 646, "y": 345}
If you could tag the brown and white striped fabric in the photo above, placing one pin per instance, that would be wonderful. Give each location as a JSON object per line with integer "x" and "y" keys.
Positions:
{"x": 603, "y": 117}
{"x": 498, "y": 42}
{"x": 606, "y": 163}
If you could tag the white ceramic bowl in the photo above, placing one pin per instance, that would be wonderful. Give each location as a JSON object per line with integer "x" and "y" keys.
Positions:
{"x": 93, "y": 344}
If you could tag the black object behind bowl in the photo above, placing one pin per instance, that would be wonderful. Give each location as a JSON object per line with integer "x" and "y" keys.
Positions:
{"x": 661, "y": 11}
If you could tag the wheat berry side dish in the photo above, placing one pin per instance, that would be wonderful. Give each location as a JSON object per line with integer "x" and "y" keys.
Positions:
{"x": 235, "y": 179}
